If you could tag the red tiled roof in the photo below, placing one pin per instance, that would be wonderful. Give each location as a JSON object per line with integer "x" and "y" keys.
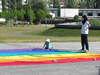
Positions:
{"x": 60, "y": 0}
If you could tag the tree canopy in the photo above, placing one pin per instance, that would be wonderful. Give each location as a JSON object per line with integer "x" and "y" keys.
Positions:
{"x": 56, "y": 3}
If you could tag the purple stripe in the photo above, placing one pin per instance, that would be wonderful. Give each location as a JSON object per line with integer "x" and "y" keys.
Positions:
{"x": 20, "y": 49}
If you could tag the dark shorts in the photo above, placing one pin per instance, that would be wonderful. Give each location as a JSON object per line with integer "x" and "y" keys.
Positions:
{"x": 46, "y": 47}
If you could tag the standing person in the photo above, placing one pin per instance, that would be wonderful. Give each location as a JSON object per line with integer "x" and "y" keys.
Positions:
{"x": 24, "y": 23}
{"x": 13, "y": 23}
{"x": 28, "y": 24}
{"x": 84, "y": 32}
{"x": 16, "y": 23}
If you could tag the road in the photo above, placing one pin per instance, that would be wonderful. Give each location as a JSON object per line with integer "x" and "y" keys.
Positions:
{"x": 79, "y": 68}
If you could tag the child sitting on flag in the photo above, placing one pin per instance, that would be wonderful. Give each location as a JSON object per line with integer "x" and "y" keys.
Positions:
{"x": 47, "y": 45}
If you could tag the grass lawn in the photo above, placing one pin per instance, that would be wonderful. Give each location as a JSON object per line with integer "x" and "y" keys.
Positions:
{"x": 61, "y": 32}
{"x": 20, "y": 29}
{"x": 38, "y": 33}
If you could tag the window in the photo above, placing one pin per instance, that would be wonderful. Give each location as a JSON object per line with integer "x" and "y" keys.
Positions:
{"x": 90, "y": 13}
{"x": 56, "y": 13}
{"x": 80, "y": 13}
{"x": 94, "y": 13}
{"x": 52, "y": 11}
{"x": 98, "y": 13}
{"x": 85, "y": 13}
{"x": 8, "y": 6}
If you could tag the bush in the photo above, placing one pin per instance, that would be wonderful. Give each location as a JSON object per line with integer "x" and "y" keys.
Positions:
{"x": 95, "y": 22}
{"x": 49, "y": 16}
{"x": 66, "y": 18}
{"x": 76, "y": 17}
{"x": 2, "y": 23}
{"x": 80, "y": 23}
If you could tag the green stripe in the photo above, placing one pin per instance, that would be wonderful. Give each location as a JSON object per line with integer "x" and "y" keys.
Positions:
{"x": 38, "y": 53}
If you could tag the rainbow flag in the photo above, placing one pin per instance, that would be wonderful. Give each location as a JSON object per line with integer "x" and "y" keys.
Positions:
{"x": 36, "y": 56}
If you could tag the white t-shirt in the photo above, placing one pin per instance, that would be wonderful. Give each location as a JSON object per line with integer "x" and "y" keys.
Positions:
{"x": 28, "y": 23}
{"x": 84, "y": 26}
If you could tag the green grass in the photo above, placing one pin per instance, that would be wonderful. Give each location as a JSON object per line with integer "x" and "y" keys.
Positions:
{"x": 40, "y": 34}
{"x": 20, "y": 29}
{"x": 61, "y": 32}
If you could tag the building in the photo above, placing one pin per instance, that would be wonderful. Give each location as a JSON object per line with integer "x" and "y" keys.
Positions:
{"x": 56, "y": 11}
{"x": 71, "y": 12}
{"x": 62, "y": 12}
{"x": 89, "y": 12}
{"x": 8, "y": 5}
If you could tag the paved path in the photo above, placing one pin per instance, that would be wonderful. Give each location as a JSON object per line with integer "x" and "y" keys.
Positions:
{"x": 80, "y": 68}
{"x": 70, "y": 23}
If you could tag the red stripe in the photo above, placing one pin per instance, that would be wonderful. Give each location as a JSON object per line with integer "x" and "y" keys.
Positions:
{"x": 48, "y": 62}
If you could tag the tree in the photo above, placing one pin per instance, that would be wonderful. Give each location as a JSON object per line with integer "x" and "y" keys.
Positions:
{"x": 49, "y": 16}
{"x": 0, "y": 15}
{"x": 19, "y": 4}
{"x": 49, "y": 4}
{"x": 40, "y": 14}
{"x": 21, "y": 14}
{"x": 31, "y": 15}
{"x": 72, "y": 4}
{"x": 13, "y": 4}
{"x": 30, "y": 12}
{"x": 4, "y": 5}
{"x": 90, "y": 3}
{"x": 97, "y": 4}
{"x": 66, "y": 2}
{"x": 76, "y": 4}
{"x": 40, "y": 5}
{"x": 56, "y": 3}
{"x": 5, "y": 14}
{"x": 29, "y": 4}
{"x": 82, "y": 4}
{"x": 16, "y": 4}
{"x": 14, "y": 14}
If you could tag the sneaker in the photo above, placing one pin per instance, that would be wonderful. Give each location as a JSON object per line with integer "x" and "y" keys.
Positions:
{"x": 87, "y": 50}
{"x": 81, "y": 50}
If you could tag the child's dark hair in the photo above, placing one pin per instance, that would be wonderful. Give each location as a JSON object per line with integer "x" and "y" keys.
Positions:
{"x": 85, "y": 19}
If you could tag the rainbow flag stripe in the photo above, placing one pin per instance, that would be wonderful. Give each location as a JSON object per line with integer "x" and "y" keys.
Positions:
{"x": 36, "y": 56}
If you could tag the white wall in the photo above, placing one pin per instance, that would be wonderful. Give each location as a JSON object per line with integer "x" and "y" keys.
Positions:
{"x": 2, "y": 19}
{"x": 68, "y": 12}
{"x": 53, "y": 15}
{"x": 23, "y": 1}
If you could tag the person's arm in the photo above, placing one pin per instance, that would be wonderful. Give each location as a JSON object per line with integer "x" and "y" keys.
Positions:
{"x": 43, "y": 46}
{"x": 88, "y": 26}
{"x": 48, "y": 47}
